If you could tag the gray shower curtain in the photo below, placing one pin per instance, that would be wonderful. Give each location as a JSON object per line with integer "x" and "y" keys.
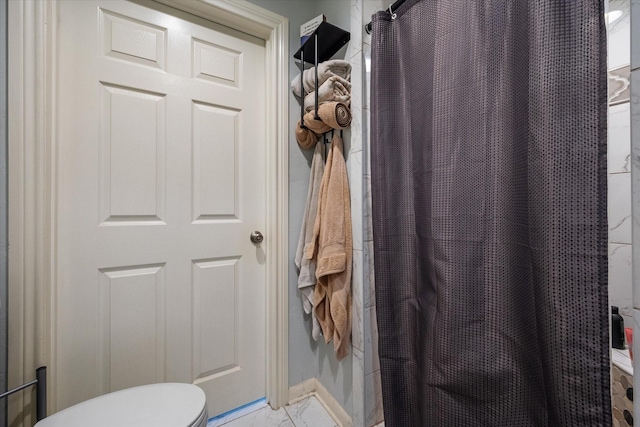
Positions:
{"x": 488, "y": 172}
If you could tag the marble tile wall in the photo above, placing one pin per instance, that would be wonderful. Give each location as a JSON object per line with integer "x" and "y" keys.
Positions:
{"x": 355, "y": 169}
{"x": 619, "y": 201}
{"x": 635, "y": 34}
{"x": 618, "y": 30}
{"x": 367, "y": 393}
{"x": 619, "y": 159}
{"x": 619, "y": 85}
{"x": 619, "y": 167}
{"x": 635, "y": 181}
{"x": 372, "y": 383}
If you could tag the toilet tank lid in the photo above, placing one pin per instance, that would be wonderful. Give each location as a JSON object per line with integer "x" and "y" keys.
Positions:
{"x": 158, "y": 405}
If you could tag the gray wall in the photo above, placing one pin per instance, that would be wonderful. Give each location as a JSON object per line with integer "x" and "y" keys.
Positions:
{"x": 3, "y": 207}
{"x": 307, "y": 358}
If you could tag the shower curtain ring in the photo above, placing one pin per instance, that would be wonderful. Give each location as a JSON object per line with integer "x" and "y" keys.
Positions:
{"x": 392, "y": 13}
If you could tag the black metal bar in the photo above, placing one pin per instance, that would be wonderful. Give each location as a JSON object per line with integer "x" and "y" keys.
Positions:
{"x": 368, "y": 28}
{"x": 17, "y": 389}
{"x": 316, "y": 117}
{"x": 41, "y": 393}
{"x": 302, "y": 90}
{"x": 397, "y": 4}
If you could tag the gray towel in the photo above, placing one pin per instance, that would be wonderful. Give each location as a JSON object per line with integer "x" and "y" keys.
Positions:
{"x": 334, "y": 67}
{"x": 335, "y": 88}
{"x": 307, "y": 267}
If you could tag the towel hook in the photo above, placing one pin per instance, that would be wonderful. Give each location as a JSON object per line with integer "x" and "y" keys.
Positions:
{"x": 392, "y": 13}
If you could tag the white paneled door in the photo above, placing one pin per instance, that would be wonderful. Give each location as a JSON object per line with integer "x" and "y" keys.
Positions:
{"x": 160, "y": 182}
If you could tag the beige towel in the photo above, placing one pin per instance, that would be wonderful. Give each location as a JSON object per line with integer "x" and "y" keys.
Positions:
{"x": 334, "y": 89}
{"x": 333, "y": 247}
{"x": 316, "y": 126}
{"x": 307, "y": 267}
{"x": 336, "y": 115}
{"x": 333, "y": 115}
{"x": 335, "y": 67}
{"x": 305, "y": 137}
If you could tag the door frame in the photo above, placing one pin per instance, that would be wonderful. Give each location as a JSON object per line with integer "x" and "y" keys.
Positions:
{"x": 32, "y": 185}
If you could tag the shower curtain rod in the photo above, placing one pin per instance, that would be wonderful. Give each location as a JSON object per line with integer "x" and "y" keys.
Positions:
{"x": 391, "y": 9}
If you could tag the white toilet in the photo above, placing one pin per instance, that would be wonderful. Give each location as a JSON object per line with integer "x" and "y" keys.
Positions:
{"x": 155, "y": 405}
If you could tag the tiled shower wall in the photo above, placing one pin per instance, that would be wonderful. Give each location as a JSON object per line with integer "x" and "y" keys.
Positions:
{"x": 355, "y": 170}
{"x": 366, "y": 369}
{"x": 618, "y": 159}
{"x": 372, "y": 384}
{"x": 635, "y": 182}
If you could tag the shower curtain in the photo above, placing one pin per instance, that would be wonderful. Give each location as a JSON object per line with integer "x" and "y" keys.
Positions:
{"x": 488, "y": 169}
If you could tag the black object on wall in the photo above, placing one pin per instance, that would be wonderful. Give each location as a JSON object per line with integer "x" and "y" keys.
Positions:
{"x": 321, "y": 45}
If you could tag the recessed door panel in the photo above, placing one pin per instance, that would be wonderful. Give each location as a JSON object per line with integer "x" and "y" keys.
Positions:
{"x": 216, "y": 63}
{"x": 132, "y": 40}
{"x": 131, "y": 326}
{"x": 132, "y": 139}
{"x": 215, "y": 286}
{"x": 215, "y": 161}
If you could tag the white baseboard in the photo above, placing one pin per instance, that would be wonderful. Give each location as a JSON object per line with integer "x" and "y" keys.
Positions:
{"x": 298, "y": 391}
{"x": 314, "y": 387}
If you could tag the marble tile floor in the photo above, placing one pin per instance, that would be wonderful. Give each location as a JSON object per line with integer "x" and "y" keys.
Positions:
{"x": 307, "y": 412}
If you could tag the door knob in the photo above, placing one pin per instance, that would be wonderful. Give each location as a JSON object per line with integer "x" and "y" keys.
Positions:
{"x": 257, "y": 237}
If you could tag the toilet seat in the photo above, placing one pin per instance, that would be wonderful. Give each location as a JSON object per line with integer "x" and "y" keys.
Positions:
{"x": 155, "y": 405}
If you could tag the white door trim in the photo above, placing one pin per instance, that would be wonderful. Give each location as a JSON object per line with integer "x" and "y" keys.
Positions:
{"x": 33, "y": 185}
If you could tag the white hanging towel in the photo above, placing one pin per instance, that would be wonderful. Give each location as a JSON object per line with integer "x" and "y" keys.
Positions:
{"x": 307, "y": 267}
